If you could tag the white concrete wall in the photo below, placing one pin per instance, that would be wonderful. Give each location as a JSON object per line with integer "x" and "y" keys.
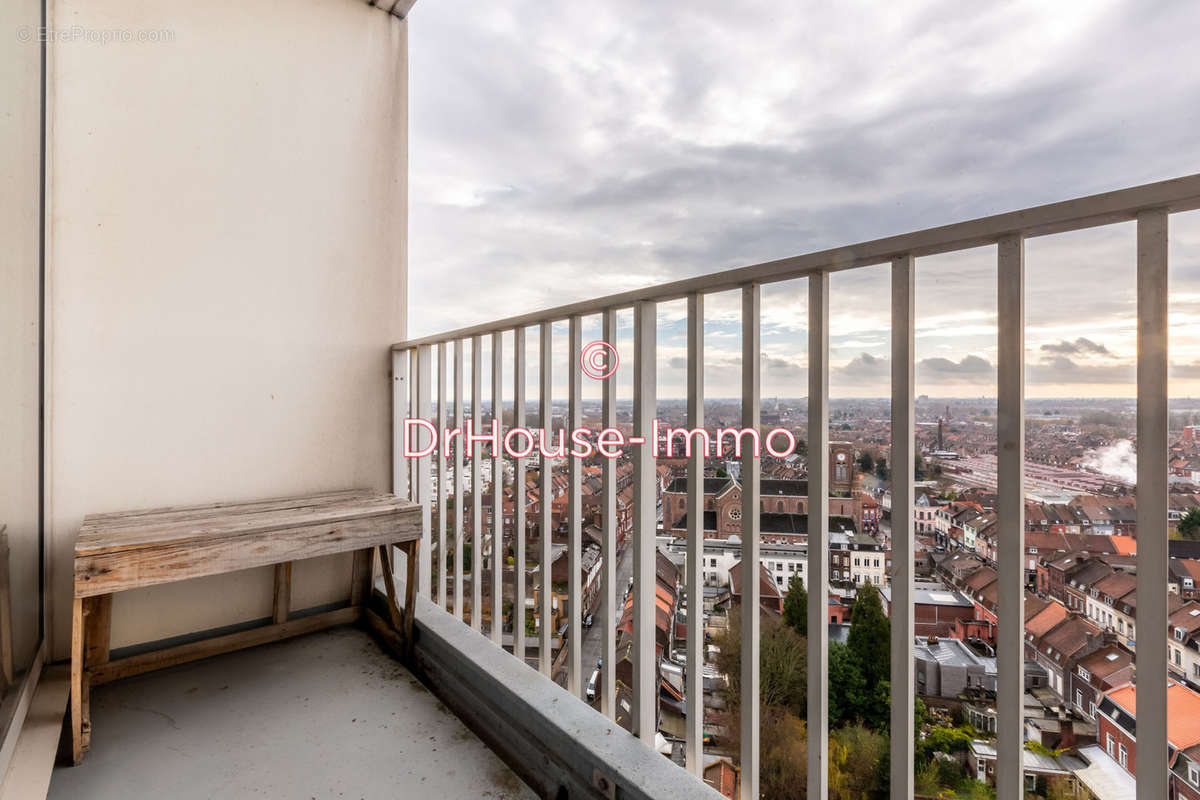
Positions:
{"x": 226, "y": 272}
{"x": 20, "y": 201}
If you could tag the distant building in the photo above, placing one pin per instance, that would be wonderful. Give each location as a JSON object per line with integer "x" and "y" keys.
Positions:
{"x": 936, "y": 609}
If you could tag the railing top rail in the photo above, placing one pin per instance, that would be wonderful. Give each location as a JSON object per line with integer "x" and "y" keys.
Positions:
{"x": 1175, "y": 195}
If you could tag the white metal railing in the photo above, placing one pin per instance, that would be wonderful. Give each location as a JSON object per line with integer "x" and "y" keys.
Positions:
{"x": 1150, "y": 205}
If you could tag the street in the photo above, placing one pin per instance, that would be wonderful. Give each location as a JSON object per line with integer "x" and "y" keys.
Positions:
{"x": 593, "y": 637}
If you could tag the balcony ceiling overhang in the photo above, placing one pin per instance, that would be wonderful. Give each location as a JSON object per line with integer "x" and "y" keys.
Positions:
{"x": 397, "y": 8}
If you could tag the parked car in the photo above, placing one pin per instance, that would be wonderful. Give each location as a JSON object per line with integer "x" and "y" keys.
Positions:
{"x": 592, "y": 685}
{"x": 588, "y": 620}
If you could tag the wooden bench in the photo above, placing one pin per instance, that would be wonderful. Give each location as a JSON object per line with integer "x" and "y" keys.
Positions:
{"x": 129, "y": 550}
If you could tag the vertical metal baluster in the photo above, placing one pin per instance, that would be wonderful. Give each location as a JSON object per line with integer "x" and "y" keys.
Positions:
{"x": 903, "y": 450}
{"x": 459, "y": 447}
{"x": 477, "y": 526}
{"x": 1010, "y": 533}
{"x": 424, "y": 476}
{"x": 546, "y": 503}
{"x": 1152, "y": 504}
{"x": 443, "y": 365}
{"x": 751, "y": 588}
{"x": 400, "y": 400}
{"x": 608, "y": 611}
{"x": 694, "y": 684}
{"x": 519, "y": 496}
{"x": 498, "y": 491}
{"x": 575, "y": 606}
{"x": 414, "y": 378}
{"x": 818, "y": 535}
{"x": 645, "y": 510}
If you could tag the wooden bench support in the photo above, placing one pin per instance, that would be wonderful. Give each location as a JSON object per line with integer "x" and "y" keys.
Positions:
{"x": 362, "y": 577}
{"x": 231, "y": 642}
{"x": 77, "y": 680}
{"x": 283, "y": 592}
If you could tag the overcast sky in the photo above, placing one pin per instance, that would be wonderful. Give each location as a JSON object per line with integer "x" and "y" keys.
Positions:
{"x": 562, "y": 151}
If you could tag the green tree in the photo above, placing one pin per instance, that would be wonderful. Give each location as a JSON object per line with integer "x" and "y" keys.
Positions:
{"x": 870, "y": 636}
{"x": 783, "y": 755}
{"x": 881, "y": 469}
{"x": 782, "y": 665}
{"x": 876, "y": 710}
{"x": 927, "y": 779}
{"x": 944, "y": 740}
{"x": 795, "y": 605}
{"x": 863, "y": 763}
{"x": 847, "y": 689}
{"x": 920, "y": 714}
{"x": 1189, "y": 525}
{"x": 866, "y": 464}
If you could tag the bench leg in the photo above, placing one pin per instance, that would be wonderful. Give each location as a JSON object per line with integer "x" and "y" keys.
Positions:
{"x": 362, "y": 577}
{"x": 283, "y": 593}
{"x": 97, "y": 629}
{"x": 389, "y": 583}
{"x": 410, "y": 597}
{"x": 77, "y": 681}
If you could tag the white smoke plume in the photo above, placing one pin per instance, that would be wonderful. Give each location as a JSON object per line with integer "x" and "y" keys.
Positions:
{"x": 1117, "y": 460}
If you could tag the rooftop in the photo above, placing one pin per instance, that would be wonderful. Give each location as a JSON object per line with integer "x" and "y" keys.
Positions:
{"x": 1183, "y": 715}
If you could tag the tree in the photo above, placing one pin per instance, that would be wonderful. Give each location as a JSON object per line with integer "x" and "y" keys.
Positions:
{"x": 782, "y": 664}
{"x": 881, "y": 469}
{"x": 847, "y": 689}
{"x": 795, "y": 605}
{"x": 866, "y": 464}
{"x": 926, "y": 780}
{"x": 862, "y": 764}
{"x": 1189, "y": 525}
{"x": 870, "y": 636}
{"x": 944, "y": 740}
{"x": 876, "y": 710}
{"x": 920, "y": 714}
{"x": 783, "y": 755}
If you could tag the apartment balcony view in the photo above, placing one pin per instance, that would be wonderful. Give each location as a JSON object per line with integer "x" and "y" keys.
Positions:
{"x": 640, "y": 401}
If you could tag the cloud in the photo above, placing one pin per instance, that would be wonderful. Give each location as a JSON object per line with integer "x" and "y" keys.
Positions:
{"x": 1185, "y": 371}
{"x": 863, "y": 369}
{"x": 1080, "y": 347}
{"x": 969, "y": 369}
{"x": 561, "y": 152}
{"x": 1063, "y": 370}
{"x": 782, "y": 367}
{"x": 936, "y": 371}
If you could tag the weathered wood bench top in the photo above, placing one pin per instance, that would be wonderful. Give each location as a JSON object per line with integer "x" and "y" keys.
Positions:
{"x": 126, "y": 550}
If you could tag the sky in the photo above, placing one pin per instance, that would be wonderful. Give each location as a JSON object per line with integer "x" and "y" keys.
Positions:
{"x": 565, "y": 151}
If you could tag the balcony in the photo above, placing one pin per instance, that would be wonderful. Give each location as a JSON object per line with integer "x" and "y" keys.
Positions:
{"x": 334, "y": 712}
{"x": 422, "y": 369}
{"x": 218, "y": 309}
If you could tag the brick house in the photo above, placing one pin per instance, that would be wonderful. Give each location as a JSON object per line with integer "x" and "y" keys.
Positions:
{"x": 1117, "y": 726}
{"x": 1100, "y": 671}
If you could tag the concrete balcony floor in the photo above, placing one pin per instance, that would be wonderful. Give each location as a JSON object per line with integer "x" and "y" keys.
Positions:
{"x": 329, "y": 715}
